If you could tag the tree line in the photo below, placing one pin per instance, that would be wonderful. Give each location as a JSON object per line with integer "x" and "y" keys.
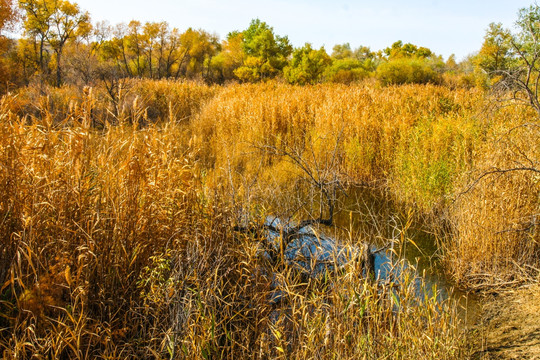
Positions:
{"x": 60, "y": 44}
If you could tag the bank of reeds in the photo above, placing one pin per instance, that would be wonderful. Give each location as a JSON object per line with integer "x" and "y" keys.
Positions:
{"x": 426, "y": 145}
{"x": 116, "y": 101}
{"x": 116, "y": 244}
{"x": 414, "y": 139}
{"x": 118, "y": 207}
{"x": 496, "y": 236}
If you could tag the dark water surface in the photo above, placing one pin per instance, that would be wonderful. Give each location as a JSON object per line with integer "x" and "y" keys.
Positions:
{"x": 371, "y": 212}
{"x": 369, "y": 216}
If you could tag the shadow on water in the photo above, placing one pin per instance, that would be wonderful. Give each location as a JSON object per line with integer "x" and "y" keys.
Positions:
{"x": 370, "y": 216}
{"x": 374, "y": 217}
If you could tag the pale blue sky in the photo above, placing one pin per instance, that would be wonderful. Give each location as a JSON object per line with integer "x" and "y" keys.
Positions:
{"x": 445, "y": 27}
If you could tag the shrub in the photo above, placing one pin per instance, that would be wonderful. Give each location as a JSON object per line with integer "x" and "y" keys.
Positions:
{"x": 407, "y": 71}
{"x": 346, "y": 71}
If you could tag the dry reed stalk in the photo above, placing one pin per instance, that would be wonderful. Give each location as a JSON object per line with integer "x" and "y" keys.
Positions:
{"x": 121, "y": 236}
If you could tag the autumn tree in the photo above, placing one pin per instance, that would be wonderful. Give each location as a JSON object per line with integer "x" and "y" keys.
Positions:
{"x": 307, "y": 65}
{"x": 54, "y": 23}
{"x": 135, "y": 45}
{"x": 196, "y": 50}
{"x": 495, "y": 53}
{"x": 37, "y": 24}
{"x": 159, "y": 47}
{"x": 9, "y": 15}
{"x": 68, "y": 22}
{"x": 82, "y": 59}
{"x": 265, "y": 54}
{"x": 451, "y": 64}
{"x": 154, "y": 50}
{"x": 116, "y": 50}
{"x": 150, "y": 34}
{"x": 8, "y": 19}
{"x": 199, "y": 47}
{"x": 229, "y": 58}
{"x": 167, "y": 43}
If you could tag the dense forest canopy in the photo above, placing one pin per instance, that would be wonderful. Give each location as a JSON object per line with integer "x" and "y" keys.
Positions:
{"x": 60, "y": 44}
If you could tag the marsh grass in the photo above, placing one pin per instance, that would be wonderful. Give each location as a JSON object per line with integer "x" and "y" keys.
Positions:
{"x": 496, "y": 239}
{"x": 118, "y": 212}
{"x": 133, "y": 101}
{"x": 425, "y": 145}
{"x": 117, "y": 242}
{"x": 414, "y": 139}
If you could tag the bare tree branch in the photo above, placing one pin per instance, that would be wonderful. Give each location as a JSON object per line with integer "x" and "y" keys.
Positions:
{"x": 496, "y": 171}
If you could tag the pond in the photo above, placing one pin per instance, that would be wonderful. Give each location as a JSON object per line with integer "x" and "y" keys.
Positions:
{"x": 369, "y": 216}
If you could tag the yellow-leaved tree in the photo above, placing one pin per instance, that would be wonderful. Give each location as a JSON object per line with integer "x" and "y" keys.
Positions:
{"x": 54, "y": 23}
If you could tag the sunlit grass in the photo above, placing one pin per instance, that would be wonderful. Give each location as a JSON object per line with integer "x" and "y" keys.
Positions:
{"x": 117, "y": 215}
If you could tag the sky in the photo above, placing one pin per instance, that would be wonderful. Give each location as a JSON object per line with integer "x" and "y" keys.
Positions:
{"x": 446, "y": 27}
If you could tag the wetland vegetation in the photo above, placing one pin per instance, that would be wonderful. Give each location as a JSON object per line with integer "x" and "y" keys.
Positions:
{"x": 137, "y": 210}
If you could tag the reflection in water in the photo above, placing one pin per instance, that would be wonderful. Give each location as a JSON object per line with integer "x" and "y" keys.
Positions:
{"x": 371, "y": 217}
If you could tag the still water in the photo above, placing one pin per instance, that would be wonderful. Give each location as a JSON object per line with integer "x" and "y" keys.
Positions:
{"x": 369, "y": 216}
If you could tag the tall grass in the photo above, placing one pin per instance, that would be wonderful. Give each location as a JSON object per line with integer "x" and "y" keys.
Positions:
{"x": 118, "y": 101}
{"x": 85, "y": 225}
{"x": 118, "y": 209}
{"x": 425, "y": 144}
{"x": 414, "y": 139}
{"x": 496, "y": 238}
{"x": 117, "y": 241}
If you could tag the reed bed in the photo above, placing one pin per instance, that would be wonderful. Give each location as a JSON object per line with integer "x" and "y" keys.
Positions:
{"x": 118, "y": 241}
{"x": 413, "y": 139}
{"x": 116, "y": 101}
{"x": 119, "y": 207}
{"x": 496, "y": 239}
{"x": 425, "y": 145}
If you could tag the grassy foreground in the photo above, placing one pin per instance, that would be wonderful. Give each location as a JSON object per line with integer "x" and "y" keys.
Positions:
{"x": 118, "y": 212}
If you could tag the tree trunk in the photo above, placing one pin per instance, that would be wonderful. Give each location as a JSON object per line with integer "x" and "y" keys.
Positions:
{"x": 58, "y": 68}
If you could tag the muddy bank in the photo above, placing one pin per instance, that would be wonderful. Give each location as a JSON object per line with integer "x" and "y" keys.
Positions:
{"x": 509, "y": 327}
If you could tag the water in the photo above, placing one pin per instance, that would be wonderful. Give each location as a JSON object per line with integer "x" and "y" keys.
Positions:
{"x": 368, "y": 216}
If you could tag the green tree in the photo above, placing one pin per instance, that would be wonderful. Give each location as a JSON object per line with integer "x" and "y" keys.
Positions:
{"x": 495, "y": 53}
{"x": 409, "y": 64}
{"x": 342, "y": 51}
{"x": 350, "y": 66}
{"x": 408, "y": 50}
{"x": 364, "y": 53}
{"x": 407, "y": 71}
{"x": 451, "y": 64}
{"x": 265, "y": 54}
{"x": 307, "y": 65}
{"x": 518, "y": 68}
{"x": 346, "y": 71}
